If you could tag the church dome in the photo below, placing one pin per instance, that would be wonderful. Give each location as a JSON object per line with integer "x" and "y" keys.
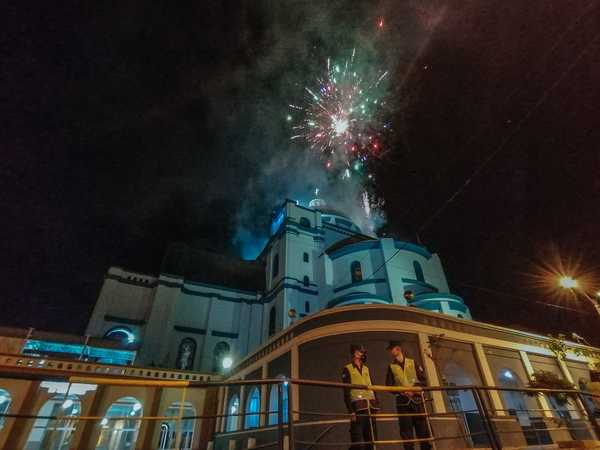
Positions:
{"x": 317, "y": 203}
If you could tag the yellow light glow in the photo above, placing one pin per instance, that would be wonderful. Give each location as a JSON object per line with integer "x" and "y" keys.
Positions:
{"x": 567, "y": 282}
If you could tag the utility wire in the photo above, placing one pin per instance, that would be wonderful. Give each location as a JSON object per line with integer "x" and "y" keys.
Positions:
{"x": 506, "y": 294}
{"x": 502, "y": 145}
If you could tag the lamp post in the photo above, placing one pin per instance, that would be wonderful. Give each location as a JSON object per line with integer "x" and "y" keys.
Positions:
{"x": 570, "y": 283}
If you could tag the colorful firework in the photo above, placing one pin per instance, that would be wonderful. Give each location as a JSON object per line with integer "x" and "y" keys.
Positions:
{"x": 342, "y": 117}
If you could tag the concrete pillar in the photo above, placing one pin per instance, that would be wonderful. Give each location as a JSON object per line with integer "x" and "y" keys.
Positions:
{"x": 488, "y": 379}
{"x": 221, "y": 401}
{"x": 575, "y": 412}
{"x": 543, "y": 401}
{"x": 264, "y": 397}
{"x": 224, "y": 411}
{"x": 89, "y": 434}
{"x": 242, "y": 411}
{"x": 147, "y": 427}
{"x": 439, "y": 407}
{"x": 206, "y": 427}
{"x": 294, "y": 389}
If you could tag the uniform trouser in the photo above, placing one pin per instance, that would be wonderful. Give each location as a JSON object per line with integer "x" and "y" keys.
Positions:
{"x": 411, "y": 425}
{"x": 360, "y": 431}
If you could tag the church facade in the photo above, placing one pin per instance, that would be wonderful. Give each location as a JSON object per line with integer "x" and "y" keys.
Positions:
{"x": 205, "y": 312}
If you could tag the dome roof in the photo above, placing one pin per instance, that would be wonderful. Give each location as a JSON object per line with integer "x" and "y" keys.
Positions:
{"x": 317, "y": 203}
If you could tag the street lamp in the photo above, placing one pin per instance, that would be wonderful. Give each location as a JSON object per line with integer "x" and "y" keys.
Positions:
{"x": 570, "y": 283}
{"x": 567, "y": 282}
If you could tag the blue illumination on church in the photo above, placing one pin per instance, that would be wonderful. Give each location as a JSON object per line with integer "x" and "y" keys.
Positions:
{"x": 315, "y": 258}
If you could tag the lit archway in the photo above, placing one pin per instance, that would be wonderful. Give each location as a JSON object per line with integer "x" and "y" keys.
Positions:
{"x": 274, "y": 405}
{"x": 120, "y": 425}
{"x": 55, "y": 424}
{"x": 253, "y": 409}
{"x": 233, "y": 410}
{"x": 5, "y": 400}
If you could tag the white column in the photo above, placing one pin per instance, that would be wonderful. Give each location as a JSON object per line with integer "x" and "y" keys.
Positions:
{"x": 439, "y": 406}
{"x": 224, "y": 410}
{"x": 294, "y": 389}
{"x": 242, "y": 411}
{"x": 565, "y": 370}
{"x": 543, "y": 401}
{"x": 488, "y": 378}
{"x": 221, "y": 401}
{"x": 264, "y": 399}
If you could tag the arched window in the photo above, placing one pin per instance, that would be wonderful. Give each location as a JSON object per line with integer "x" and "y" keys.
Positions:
{"x": 233, "y": 408}
{"x": 272, "y": 321}
{"x": 418, "y": 271}
{"x": 273, "y": 400}
{"x": 252, "y": 409}
{"x": 221, "y": 351}
{"x": 54, "y": 434}
{"x": 306, "y": 281}
{"x": 305, "y": 257}
{"x": 304, "y": 222}
{"x": 168, "y": 430}
{"x": 356, "y": 271}
{"x": 120, "y": 334}
{"x": 5, "y": 400}
{"x": 275, "y": 270}
{"x": 122, "y": 431}
{"x": 186, "y": 354}
{"x": 306, "y": 307}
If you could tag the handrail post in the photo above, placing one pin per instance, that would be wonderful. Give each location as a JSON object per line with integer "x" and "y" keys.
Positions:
{"x": 290, "y": 414}
{"x": 487, "y": 423}
{"x": 590, "y": 415}
{"x": 280, "y": 437}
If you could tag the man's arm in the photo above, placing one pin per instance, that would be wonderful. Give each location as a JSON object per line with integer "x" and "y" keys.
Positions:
{"x": 347, "y": 399}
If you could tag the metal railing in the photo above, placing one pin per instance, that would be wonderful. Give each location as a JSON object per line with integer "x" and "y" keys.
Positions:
{"x": 481, "y": 423}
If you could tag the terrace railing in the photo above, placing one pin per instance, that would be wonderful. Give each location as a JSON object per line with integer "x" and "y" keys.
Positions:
{"x": 569, "y": 415}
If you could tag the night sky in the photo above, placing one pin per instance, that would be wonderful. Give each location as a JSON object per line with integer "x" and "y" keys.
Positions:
{"x": 137, "y": 124}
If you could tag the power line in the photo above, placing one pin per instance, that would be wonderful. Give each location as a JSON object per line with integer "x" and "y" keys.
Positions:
{"x": 502, "y": 145}
{"x": 506, "y": 294}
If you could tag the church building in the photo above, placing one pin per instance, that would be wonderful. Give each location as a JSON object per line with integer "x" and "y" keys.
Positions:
{"x": 206, "y": 311}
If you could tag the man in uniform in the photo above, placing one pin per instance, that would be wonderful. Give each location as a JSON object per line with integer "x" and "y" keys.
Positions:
{"x": 360, "y": 402}
{"x": 404, "y": 372}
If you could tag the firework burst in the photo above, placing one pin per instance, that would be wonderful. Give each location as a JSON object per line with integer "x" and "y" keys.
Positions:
{"x": 341, "y": 116}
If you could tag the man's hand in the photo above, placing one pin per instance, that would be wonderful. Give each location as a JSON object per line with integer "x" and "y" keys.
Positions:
{"x": 409, "y": 394}
{"x": 353, "y": 417}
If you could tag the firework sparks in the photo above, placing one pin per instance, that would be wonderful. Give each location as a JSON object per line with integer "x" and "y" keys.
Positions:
{"x": 341, "y": 116}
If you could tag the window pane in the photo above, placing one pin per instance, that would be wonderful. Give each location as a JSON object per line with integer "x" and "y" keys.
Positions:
{"x": 508, "y": 371}
{"x": 253, "y": 406}
{"x": 456, "y": 366}
{"x": 580, "y": 373}
{"x": 560, "y": 409}
{"x": 545, "y": 363}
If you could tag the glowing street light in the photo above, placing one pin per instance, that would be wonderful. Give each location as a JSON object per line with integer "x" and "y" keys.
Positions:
{"x": 567, "y": 282}
{"x": 570, "y": 283}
